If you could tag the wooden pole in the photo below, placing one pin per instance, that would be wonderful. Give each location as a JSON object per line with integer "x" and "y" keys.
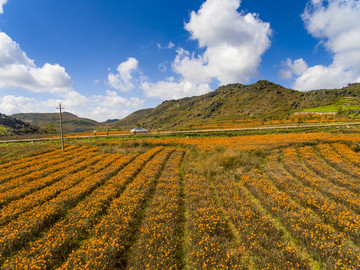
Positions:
{"x": 61, "y": 128}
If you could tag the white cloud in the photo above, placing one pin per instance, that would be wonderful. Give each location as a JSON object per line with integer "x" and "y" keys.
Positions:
{"x": 102, "y": 114}
{"x": 290, "y": 68}
{"x": 174, "y": 90}
{"x": 10, "y": 104}
{"x": 123, "y": 79}
{"x": 323, "y": 77}
{"x": 234, "y": 43}
{"x": 19, "y": 72}
{"x": 2, "y": 3}
{"x": 113, "y": 100}
{"x": 336, "y": 24}
{"x": 169, "y": 46}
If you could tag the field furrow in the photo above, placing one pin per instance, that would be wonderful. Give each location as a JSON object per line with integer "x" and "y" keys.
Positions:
{"x": 325, "y": 244}
{"x": 29, "y": 224}
{"x": 36, "y": 163}
{"x": 55, "y": 245}
{"x": 340, "y": 194}
{"x": 337, "y": 161}
{"x": 262, "y": 241}
{"x": 44, "y": 167}
{"x": 210, "y": 242}
{"x": 110, "y": 238}
{"x": 329, "y": 211}
{"x": 157, "y": 244}
{"x": 25, "y": 188}
{"x": 70, "y": 178}
{"x": 314, "y": 162}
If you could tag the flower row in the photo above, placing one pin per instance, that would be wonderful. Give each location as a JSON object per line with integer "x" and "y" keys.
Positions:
{"x": 158, "y": 241}
{"x": 39, "y": 168}
{"x": 332, "y": 212}
{"x": 261, "y": 240}
{"x": 314, "y": 162}
{"x": 22, "y": 187}
{"x": 331, "y": 248}
{"x": 211, "y": 242}
{"x": 18, "y": 232}
{"x": 70, "y": 177}
{"x": 49, "y": 250}
{"x": 337, "y": 161}
{"x": 21, "y": 167}
{"x": 309, "y": 178}
{"x": 109, "y": 239}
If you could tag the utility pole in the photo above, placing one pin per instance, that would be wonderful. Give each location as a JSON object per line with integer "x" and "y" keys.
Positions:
{"x": 61, "y": 128}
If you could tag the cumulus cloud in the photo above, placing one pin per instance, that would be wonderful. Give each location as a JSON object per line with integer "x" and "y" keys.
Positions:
{"x": 123, "y": 80}
{"x": 233, "y": 44}
{"x": 169, "y": 89}
{"x": 17, "y": 71}
{"x": 336, "y": 24}
{"x": 2, "y": 3}
{"x": 112, "y": 99}
{"x": 10, "y": 104}
{"x": 102, "y": 114}
{"x": 291, "y": 68}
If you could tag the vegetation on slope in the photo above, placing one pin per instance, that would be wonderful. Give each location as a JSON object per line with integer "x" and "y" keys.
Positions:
{"x": 131, "y": 120}
{"x": 12, "y": 126}
{"x": 49, "y": 122}
{"x": 262, "y": 100}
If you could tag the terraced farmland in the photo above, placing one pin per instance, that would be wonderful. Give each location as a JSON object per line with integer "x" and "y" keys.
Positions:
{"x": 299, "y": 208}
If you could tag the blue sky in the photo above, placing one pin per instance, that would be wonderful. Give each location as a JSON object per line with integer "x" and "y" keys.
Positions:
{"x": 107, "y": 58}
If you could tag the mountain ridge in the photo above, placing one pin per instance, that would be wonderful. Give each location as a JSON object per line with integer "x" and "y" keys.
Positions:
{"x": 261, "y": 100}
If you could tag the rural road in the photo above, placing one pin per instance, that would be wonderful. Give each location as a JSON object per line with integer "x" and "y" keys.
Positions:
{"x": 188, "y": 131}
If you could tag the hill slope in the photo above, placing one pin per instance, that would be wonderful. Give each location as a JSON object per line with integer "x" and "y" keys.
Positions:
{"x": 131, "y": 120}
{"x": 260, "y": 100}
{"x": 51, "y": 120}
{"x": 12, "y": 126}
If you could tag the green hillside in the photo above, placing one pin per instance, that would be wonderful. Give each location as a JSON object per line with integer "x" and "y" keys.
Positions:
{"x": 131, "y": 120}
{"x": 12, "y": 126}
{"x": 49, "y": 122}
{"x": 261, "y": 100}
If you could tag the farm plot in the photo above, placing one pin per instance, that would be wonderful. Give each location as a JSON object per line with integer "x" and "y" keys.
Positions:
{"x": 296, "y": 209}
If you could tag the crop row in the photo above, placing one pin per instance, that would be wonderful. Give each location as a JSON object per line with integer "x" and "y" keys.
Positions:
{"x": 336, "y": 160}
{"x": 109, "y": 239}
{"x": 23, "y": 186}
{"x": 17, "y": 168}
{"x": 260, "y": 239}
{"x": 348, "y": 153}
{"x": 49, "y": 250}
{"x": 21, "y": 162}
{"x": 157, "y": 245}
{"x": 12, "y": 154}
{"x": 39, "y": 168}
{"x": 314, "y": 162}
{"x": 337, "y": 193}
{"x": 322, "y": 241}
{"x": 71, "y": 177}
{"x": 330, "y": 211}
{"x": 29, "y": 224}
{"x": 210, "y": 239}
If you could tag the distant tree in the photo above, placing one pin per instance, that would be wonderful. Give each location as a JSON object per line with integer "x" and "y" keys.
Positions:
{"x": 4, "y": 131}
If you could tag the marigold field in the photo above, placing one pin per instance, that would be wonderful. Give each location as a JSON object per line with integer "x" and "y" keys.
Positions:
{"x": 287, "y": 201}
